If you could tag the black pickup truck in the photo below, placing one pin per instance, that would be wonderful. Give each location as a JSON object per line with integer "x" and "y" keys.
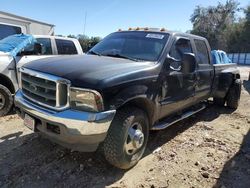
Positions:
{"x": 130, "y": 83}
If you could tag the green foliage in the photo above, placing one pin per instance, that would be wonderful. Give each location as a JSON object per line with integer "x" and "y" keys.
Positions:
{"x": 238, "y": 39}
{"x": 219, "y": 25}
{"x": 212, "y": 22}
{"x": 86, "y": 42}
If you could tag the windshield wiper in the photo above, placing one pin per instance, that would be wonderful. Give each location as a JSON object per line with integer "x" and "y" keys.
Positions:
{"x": 121, "y": 56}
{"x": 94, "y": 53}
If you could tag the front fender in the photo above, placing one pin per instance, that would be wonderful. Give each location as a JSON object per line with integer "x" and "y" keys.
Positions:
{"x": 138, "y": 96}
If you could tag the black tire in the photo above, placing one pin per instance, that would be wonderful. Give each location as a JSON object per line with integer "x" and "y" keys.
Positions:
{"x": 219, "y": 101}
{"x": 5, "y": 96}
{"x": 233, "y": 96}
{"x": 114, "y": 146}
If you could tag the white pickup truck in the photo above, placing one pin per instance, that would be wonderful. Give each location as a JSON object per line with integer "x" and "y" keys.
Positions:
{"x": 17, "y": 50}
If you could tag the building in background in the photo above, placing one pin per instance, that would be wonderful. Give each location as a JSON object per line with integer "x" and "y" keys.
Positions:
{"x": 12, "y": 24}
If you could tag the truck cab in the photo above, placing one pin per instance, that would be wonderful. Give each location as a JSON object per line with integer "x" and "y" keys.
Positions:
{"x": 51, "y": 46}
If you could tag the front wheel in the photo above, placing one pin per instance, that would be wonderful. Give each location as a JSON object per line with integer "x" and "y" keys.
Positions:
{"x": 127, "y": 138}
{"x": 6, "y": 100}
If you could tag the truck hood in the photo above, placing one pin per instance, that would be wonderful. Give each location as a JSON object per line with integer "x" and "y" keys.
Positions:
{"x": 94, "y": 72}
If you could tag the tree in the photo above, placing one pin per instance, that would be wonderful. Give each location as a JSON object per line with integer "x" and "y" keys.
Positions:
{"x": 246, "y": 31}
{"x": 211, "y": 22}
{"x": 238, "y": 39}
{"x": 87, "y": 42}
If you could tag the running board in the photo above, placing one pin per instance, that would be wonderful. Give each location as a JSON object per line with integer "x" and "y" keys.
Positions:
{"x": 165, "y": 124}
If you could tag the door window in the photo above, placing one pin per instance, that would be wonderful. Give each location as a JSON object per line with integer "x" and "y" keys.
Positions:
{"x": 65, "y": 47}
{"x": 202, "y": 52}
{"x": 46, "y": 45}
{"x": 180, "y": 47}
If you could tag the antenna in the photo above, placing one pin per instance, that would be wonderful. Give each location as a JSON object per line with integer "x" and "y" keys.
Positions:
{"x": 85, "y": 20}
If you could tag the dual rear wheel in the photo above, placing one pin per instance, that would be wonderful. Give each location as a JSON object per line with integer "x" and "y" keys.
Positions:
{"x": 233, "y": 96}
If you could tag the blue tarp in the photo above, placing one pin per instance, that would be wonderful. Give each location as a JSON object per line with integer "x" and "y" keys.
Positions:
{"x": 15, "y": 43}
{"x": 220, "y": 57}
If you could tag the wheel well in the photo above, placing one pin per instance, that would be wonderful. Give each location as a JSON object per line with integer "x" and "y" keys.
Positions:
{"x": 5, "y": 81}
{"x": 144, "y": 105}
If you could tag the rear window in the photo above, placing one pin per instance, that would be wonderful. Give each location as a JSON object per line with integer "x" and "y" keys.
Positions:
{"x": 202, "y": 52}
{"x": 7, "y": 30}
{"x": 65, "y": 47}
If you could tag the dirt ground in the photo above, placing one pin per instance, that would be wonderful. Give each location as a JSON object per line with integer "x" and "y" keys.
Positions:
{"x": 210, "y": 149}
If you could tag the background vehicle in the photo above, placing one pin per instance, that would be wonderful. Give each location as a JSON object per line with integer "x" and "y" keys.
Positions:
{"x": 17, "y": 50}
{"x": 11, "y": 24}
{"x": 131, "y": 82}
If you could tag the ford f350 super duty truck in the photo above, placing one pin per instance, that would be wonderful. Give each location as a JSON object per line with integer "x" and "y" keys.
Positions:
{"x": 17, "y": 50}
{"x": 131, "y": 82}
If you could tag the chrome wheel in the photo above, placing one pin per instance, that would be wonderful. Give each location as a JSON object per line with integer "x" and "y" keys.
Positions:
{"x": 2, "y": 101}
{"x": 135, "y": 139}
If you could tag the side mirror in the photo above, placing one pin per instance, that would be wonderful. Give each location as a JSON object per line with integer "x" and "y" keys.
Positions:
{"x": 173, "y": 64}
{"x": 188, "y": 63}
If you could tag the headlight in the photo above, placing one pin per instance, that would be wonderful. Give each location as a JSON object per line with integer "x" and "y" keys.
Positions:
{"x": 86, "y": 100}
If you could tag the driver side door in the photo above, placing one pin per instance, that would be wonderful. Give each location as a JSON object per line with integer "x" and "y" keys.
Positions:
{"x": 178, "y": 88}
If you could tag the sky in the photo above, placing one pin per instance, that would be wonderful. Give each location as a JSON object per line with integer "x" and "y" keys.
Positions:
{"x": 106, "y": 16}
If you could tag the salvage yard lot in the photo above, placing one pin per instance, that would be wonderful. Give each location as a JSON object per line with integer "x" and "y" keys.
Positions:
{"x": 209, "y": 149}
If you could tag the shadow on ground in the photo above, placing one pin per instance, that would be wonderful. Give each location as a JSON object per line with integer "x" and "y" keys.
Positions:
{"x": 236, "y": 172}
{"x": 31, "y": 161}
{"x": 36, "y": 162}
{"x": 159, "y": 138}
{"x": 246, "y": 84}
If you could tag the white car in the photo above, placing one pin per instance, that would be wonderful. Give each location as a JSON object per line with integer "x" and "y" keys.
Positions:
{"x": 17, "y": 50}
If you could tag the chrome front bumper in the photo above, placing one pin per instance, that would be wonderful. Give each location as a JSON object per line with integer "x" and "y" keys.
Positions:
{"x": 76, "y": 128}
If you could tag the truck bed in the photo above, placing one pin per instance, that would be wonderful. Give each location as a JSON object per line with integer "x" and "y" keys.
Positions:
{"x": 223, "y": 76}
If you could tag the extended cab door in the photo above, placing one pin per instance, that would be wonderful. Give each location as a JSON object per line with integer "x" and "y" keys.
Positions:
{"x": 178, "y": 89}
{"x": 204, "y": 71}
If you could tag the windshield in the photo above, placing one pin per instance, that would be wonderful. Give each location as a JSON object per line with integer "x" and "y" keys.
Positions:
{"x": 140, "y": 46}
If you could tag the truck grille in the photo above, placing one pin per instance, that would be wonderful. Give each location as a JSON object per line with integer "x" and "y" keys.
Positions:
{"x": 46, "y": 90}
